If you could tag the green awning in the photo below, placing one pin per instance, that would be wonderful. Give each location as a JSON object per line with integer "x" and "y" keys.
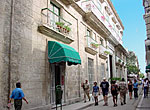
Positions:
{"x": 147, "y": 71}
{"x": 58, "y": 52}
{"x": 148, "y": 67}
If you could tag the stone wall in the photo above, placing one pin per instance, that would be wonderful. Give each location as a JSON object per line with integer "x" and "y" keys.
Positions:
{"x": 28, "y": 53}
{"x": 5, "y": 7}
{"x": 29, "y": 63}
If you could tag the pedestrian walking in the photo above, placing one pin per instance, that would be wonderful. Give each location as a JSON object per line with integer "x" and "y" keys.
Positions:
{"x": 130, "y": 88}
{"x": 17, "y": 94}
{"x": 148, "y": 85}
{"x": 95, "y": 93}
{"x": 145, "y": 87}
{"x": 135, "y": 88}
{"x": 114, "y": 92}
{"x": 86, "y": 89}
{"x": 105, "y": 89}
{"x": 123, "y": 91}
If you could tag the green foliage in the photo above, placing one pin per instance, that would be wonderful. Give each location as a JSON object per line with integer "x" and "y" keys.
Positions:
{"x": 94, "y": 45}
{"x": 107, "y": 52}
{"x": 67, "y": 28}
{"x": 141, "y": 75}
{"x": 132, "y": 69}
{"x": 114, "y": 79}
{"x": 60, "y": 24}
{"x": 119, "y": 60}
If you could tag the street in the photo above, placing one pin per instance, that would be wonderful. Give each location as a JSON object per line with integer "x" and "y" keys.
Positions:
{"x": 133, "y": 104}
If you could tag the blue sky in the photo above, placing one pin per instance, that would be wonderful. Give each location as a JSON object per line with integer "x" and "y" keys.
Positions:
{"x": 131, "y": 14}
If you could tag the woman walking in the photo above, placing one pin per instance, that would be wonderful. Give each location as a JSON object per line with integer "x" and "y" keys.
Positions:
{"x": 145, "y": 87}
{"x": 95, "y": 93}
{"x": 130, "y": 88}
{"x": 114, "y": 92}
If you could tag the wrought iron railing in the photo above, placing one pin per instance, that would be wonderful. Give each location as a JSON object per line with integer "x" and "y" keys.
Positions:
{"x": 91, "y": 43}
{"x": 90, "y": 6}
{"x": 55, "y": 22}
{"x": 103, "y": 50}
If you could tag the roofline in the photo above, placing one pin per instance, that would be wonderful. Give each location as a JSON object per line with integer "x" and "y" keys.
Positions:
{"x": 115, "y": 12}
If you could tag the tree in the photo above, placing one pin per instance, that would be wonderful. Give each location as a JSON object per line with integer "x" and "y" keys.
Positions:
{"x": 132, "y": 63}
{"x": 132, "y": 69}
{"x": 141, "y": 75}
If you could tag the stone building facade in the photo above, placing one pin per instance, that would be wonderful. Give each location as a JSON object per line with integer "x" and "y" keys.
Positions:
{"x": 146, "y": 4}
{"x": 92, "y": 28}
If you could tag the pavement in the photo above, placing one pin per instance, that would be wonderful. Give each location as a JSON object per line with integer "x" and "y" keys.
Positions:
{"x": 144, "y": 103}
{"x": 89, "y": 105}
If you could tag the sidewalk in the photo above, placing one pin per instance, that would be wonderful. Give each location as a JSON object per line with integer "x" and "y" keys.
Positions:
{"x": 144, "y": 103}
{"x": 82, "y": 105}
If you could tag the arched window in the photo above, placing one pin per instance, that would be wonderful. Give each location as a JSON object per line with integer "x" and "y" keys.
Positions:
{"x": 101, "y": 1}
{"x": 114, "y": 20}
{"x": 118, "y": 27}
{"x": 121, "y": 32}
{"x": 108, "y": 10}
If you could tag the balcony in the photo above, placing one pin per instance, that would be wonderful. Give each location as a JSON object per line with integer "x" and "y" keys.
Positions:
{"x": 55, "y": 26}
{"x": 68, "y": 2}
{"x": 98, "y": 20}
{"x": 91, "y": 45}
{"x": 119, "y": 61}
{"x": 94, "y": 17}
{"x": 103, "y": 52}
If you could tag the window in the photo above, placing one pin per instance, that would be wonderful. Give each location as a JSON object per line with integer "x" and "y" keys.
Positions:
{"x": 88, "y": 32}
{"x": 101, "y": 41}
{"x": 95, "y": 36}
{"x": 101, "y": 1}
{"x": 54, "y": 14}
{"x": 98, "y": 4}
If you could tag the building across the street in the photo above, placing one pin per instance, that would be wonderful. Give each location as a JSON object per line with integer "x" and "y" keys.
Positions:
{"x": 146, "y": 4}
{"x": 45, "y": 43}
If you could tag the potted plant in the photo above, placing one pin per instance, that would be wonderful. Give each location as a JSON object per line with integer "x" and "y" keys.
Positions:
{"x": 119, "y": 61}
{"x": 65, "y": 29}
{"x": 60, "y": 25}
{"x": 106, "y": 52}
{"x": 68, "y": 29}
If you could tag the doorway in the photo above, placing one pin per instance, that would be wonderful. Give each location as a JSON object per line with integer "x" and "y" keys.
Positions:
{"x": 57, "y": 78}
{"x": 110, "y": 64}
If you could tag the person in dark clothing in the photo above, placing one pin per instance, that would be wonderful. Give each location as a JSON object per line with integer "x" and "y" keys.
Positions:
{"x": 135, "y": 88}
{"x": 130, "y": 88}
{"x": 114, "y": 92}
{"x": 18, "y": 95}
{"x": 105, "y": 89}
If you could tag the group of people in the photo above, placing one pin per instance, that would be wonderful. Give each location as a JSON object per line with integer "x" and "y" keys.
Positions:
{"x": 115, "y": 89}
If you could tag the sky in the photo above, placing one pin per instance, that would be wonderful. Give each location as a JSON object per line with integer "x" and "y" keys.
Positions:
{"x": 131, "y": 14}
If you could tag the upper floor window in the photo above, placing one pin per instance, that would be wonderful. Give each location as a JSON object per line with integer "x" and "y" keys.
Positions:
{"x": 118, "y": 27}
{"x": 107, "y": 9}
{"x": 54, "y": 14}
{"x": 121, "y": 32}
{"x": 101, "y": 1}
{"x": 88, "y": 32}
{"x": 101, "y": 41}
{"x": 114, "y": 20}
{"x": 98, "y": 4}
{"x": 94, "y": 37}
